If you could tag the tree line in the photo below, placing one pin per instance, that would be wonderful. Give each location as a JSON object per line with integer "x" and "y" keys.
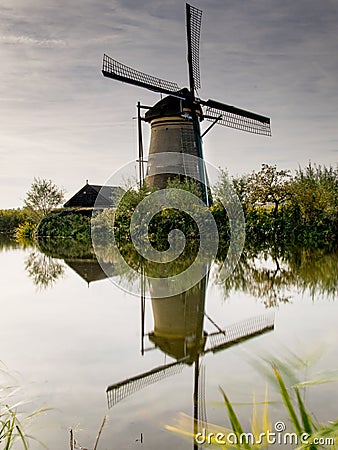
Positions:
{"x": 280, "y": 209}
{"x": 278, "y": 206}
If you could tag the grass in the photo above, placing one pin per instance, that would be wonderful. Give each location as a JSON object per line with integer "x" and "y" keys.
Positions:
{"x": 304, "y": 430}
{"x": 14, "y": 423}
{"x": 14, "y": 426}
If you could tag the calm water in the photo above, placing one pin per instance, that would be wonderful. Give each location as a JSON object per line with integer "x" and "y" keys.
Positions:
{"x": 68, "y": 332}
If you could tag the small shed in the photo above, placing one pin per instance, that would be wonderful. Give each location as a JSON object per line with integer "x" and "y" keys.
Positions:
{"x": 93, "y": 194}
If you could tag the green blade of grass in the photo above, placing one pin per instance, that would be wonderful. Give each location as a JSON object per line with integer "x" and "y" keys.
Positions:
{"x": 287, "y": 401}
{"x": 9, "y": 435}
{"x": 236, "y": 426}
{"x": 306, "y": 418}
{"x": 22, "y": 437}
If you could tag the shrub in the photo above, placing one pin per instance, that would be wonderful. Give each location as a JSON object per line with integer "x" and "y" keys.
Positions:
{"x": 10, "y": 219}
{"x": 65, "y": 224}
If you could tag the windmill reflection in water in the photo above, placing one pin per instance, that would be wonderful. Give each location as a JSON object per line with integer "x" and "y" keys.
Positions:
{"x": 179, "y": 333}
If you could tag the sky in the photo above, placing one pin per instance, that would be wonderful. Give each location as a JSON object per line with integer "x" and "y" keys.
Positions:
{"x": 60, "y": 119}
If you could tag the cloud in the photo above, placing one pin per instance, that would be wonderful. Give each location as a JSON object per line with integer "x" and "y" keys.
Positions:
{"x": 27, "y": 40}
{"x": 277, "y": 58}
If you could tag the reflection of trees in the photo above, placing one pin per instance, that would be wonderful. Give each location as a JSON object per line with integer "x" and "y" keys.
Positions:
{"x": 268, "y": 282}
{"x": 89, "y": 263}
{"x": 43, "y": 269}
{"x": 271, "y": 278}
{"x": 316, "y": 271}
{"x": 65, "y": 248}
{"x": 8, "y": 243}
{"x": 269, "y": 275}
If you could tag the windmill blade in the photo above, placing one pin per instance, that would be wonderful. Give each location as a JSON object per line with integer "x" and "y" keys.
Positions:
{"x": 193, "y": 23}
{"x": 239, "y": 332}
{"x": 237, "y": 118}
{"x": 118, "y": 71}
{"x": 118, "y": 391}
{"x": 202, "y": 410}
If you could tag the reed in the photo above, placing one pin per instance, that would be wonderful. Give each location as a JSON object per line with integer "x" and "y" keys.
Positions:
{"x": 305, "y": 429}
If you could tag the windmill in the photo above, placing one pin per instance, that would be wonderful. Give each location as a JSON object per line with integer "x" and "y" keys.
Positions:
{"x": 179, "y": 332}
{"x": 175, "y": 120}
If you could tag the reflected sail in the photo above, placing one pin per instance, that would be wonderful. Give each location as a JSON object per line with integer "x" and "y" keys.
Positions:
{"x": 239, "y": 332}
{"x": 179, "y": 332}
{"x": 118, "y": 391}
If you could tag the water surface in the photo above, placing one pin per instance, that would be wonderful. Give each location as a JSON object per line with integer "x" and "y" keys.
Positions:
{"x": 69, "y": 332}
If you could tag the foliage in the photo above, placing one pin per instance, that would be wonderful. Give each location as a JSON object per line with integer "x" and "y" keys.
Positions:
{"x": 269, "y": 185}
{"x": 42, "y": 197}
{"x": 65, "y": 224}
{"x": 10, "y": 219}
{"x": 315, "y": 192}
{"x": 118, "y": 221}
{"x": 65, "y": 248}
{"x": 186, "y": 184}
{"x": 10, "y": 428}
{"x": 313, "y": 205}
{"x": 14, "y": 423}
{"x": 7, "y": 242}
{"x": 43, "y": 269}
{"x": 239, "y": 185}
{"x": 281, "y": 209}
{"x": 271, "y": 276}
{"x": 25, "y": 232}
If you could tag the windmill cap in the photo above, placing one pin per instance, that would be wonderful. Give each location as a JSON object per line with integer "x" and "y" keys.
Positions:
{"x": 171, "y": 106}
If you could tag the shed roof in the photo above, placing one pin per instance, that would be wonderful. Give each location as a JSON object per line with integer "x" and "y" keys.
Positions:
{"x": 91, "y": 195}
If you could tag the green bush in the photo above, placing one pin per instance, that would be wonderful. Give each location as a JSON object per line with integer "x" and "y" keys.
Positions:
{"x": 10, "y": 219}
{"x": 25, "y": 232}
{"x": 65, "y": 224}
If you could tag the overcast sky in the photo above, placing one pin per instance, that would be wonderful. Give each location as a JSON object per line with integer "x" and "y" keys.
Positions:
{"x": 61, "y": 119}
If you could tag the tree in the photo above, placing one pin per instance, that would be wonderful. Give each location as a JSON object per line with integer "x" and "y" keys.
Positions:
{"x": 42, "y": 197}
{"x": 315, "y": 193}
{"x": 269, "y": 185}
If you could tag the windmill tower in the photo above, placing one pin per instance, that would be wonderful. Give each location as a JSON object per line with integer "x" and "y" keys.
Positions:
{"x": 175, "y": 120}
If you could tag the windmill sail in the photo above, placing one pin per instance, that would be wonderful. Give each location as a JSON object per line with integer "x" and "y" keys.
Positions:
{"x": 231, "y": 335}
{"x": 193, "y": 22}
{"x": 238, "y": 332}
{"x": 118, "y": 391}
{"x": 118, "y": 71}
{"x": 238, "y": 118}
